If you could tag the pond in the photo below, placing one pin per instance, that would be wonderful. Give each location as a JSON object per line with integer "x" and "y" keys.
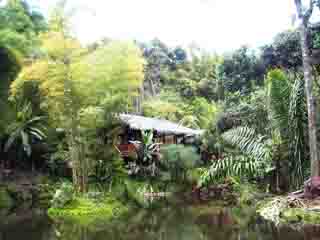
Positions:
{"x": 173, "y": 222}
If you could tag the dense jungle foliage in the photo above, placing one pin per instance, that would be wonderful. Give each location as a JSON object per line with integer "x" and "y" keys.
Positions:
{"x": 60, "y": 100}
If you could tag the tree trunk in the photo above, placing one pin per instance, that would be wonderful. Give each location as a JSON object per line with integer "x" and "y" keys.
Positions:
{"x": 311, "y": 104}
{"x": 220, "y": 88}
{"x": 77, "y": 154}
{"x": 76, "y": 150}
{"x": 74, "y": 161}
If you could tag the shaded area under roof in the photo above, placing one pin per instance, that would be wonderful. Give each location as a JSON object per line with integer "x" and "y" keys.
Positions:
{"x": 160, "y": 125}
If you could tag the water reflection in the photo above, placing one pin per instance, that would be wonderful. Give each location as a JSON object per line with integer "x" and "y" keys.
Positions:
{"x": 168, "y": 223}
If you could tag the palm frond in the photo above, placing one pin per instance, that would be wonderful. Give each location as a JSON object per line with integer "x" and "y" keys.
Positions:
{"x": 24, "y": 128}
{"x": 35, "y": 120}
{"x": 279, "y": 89}
{"x": 234, "y": 166}
{"x": 297, "y": 123}
{"x": 249, "y": 142}
{"x": 37, "y": 133}
{"x": 26, "y": 143}
{"x": 13, "y": 137}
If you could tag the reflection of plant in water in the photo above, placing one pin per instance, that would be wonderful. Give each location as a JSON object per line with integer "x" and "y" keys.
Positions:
{"x": 177, "y": 222}
{"x": 165, "y": 223}
{"x": 70, "y": 231}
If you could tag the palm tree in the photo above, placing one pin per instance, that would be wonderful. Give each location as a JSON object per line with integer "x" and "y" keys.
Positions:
{"x": 288, "y": 120}
{"x": 24, "y": 131}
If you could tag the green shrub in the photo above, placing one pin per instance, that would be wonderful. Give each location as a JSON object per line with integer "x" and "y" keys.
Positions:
{"x": 178, "y": 159}
{"x": 5, "y": 200}
{"x": 58, "y": 160}
{"x": 63, "y": 196}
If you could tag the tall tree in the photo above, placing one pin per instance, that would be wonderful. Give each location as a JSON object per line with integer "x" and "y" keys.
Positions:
{"x": 284, "y": 52}
{"x": 19, "y": 25}
{"x": 304, "y": 15}
{"x": 242, "y": 69}
{"x": 74, "y": 81}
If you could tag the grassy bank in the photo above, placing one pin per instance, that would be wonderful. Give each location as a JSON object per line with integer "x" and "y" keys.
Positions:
{"x": 127, "y": 194}
{"x": 86, "y": 210}
{"x": 134, "y": 193}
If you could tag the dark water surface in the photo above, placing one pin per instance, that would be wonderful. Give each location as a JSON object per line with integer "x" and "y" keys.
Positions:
{"x": 176, "y": 222}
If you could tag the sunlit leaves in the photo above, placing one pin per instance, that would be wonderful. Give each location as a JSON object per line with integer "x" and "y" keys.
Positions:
{"x": 14, "y": 40}
{"x": 90, "y": 78}
{"x": 58, "y": 47}
{"x": 19, "y": 25}
{"x": 117, "y": 68}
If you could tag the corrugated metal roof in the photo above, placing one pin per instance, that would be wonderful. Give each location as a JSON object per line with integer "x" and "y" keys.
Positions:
{"x": 160, "y": 125}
